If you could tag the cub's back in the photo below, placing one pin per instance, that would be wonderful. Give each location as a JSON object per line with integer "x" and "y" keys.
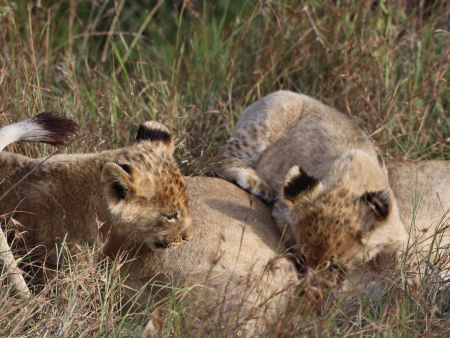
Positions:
{"x": 13, "y": 165}
{"x": 314, "y": 140}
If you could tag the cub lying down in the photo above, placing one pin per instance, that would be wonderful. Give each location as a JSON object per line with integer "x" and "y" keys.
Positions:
{"x": 324, "y": 174}
{"x": 236, "y": 244}
{"x": 136, "y": 191}
{"x": 234, "y": 236}
{"x": 232, "y": 259}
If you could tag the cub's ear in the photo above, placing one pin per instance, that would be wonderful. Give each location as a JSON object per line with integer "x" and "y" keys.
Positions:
{"x": 377, "y": 203}
{"x": 296, "y": 182}
{"x": 155, "y": 132}
{"x": 117, "y": 178}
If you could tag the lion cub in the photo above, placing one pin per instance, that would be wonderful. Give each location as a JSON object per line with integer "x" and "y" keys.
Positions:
{"x": 136, "y": 192}
{"x": 324, "y": 175}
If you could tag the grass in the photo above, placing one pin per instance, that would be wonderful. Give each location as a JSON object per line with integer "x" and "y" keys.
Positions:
{"x": 194, "y": 65}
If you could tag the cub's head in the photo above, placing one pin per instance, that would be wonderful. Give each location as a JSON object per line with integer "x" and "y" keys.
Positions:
{"x": 339, "y": 221}
{"x": 145, "y": 192}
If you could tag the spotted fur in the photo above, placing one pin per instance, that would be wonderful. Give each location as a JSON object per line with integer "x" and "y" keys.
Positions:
{"x": 135, "y": 193}
{"x": 324, "y": 175}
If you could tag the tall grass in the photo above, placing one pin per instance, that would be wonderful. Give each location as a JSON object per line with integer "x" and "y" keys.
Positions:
{"x": 194, "y": 65}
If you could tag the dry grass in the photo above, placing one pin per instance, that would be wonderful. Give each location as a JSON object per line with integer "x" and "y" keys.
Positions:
{"x": 194, "y": 65}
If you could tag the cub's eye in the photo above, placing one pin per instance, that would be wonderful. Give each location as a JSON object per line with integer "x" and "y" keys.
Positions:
{"x": 171, "y": 216}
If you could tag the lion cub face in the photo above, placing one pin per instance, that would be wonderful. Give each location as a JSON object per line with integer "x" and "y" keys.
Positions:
{"x": 335, "y": 221}
{"x": 145, "y": 192}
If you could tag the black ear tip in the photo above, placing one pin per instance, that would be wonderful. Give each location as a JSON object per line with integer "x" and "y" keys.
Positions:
{"x": 125, "y": 167}
{"x": 299, "y": 182}
{"x": 378, "y": 202}
{"x": 153, "y": 131}
{"x": 120, "y": 191}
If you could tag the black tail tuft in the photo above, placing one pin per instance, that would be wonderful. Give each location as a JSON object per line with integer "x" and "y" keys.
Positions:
{"x": 60, "y": 128}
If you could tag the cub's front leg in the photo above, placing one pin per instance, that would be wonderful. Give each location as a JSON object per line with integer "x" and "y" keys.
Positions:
{"x": 248, "y": 179}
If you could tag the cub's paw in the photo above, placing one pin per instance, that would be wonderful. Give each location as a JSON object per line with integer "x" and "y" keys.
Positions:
{"x": 248, "y": 179}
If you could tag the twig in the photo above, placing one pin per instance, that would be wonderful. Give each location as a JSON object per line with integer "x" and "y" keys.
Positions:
{"x": 319, "y": 35}
{"x": 111, "y": 30}
{"x": 144, "y": 25}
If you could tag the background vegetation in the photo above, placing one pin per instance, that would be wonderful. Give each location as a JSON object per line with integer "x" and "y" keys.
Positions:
{"x": 194, "y": 65}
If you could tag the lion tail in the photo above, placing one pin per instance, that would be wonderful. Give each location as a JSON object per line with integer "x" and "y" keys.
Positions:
{"x": 45, "y": 127}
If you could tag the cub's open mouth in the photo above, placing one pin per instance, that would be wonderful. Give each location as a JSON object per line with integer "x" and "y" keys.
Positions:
{"x": 174, "y": 244}
{"x": 159, "y": 246}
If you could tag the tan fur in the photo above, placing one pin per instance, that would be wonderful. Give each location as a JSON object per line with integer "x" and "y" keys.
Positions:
{"x": 346, "y": 212}
{"x": 44, "y": 127}
{"x": 423, "y": 194}
{"x": 235, "y": 250}
{"x": 136, "y": 191}
{"x": 233, "y": 232}
{"x": 232, "y": 259}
